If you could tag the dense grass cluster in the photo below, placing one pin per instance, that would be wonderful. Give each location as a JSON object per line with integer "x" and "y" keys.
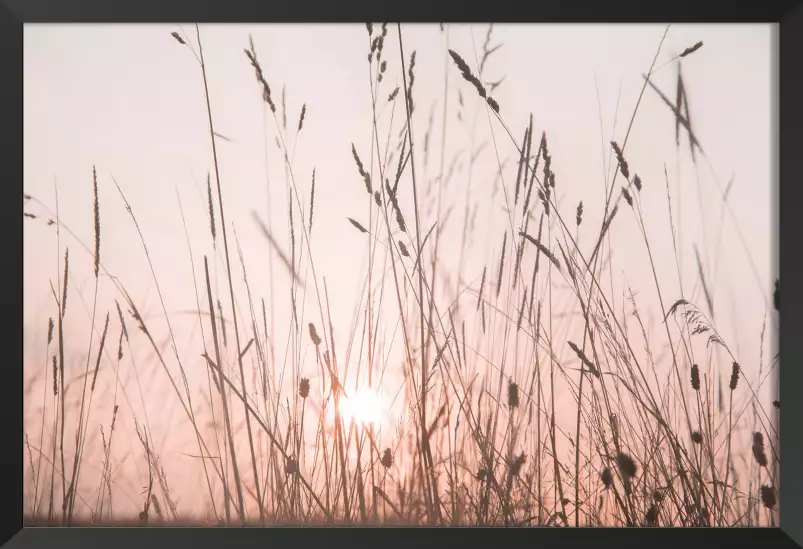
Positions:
{"x": 477, "y": 442}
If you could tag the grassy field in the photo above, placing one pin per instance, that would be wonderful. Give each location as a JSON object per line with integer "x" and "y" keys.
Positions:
{"x": 657, "y": 424}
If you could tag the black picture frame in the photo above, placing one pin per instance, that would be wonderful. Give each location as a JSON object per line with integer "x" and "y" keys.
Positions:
{"x": 788, "y": 81}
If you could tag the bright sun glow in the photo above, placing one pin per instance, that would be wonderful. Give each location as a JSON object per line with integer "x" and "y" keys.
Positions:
{"x": 363, "y": 407}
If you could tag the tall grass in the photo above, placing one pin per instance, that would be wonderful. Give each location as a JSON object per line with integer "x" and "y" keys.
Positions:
{"x": 478, "y": 439}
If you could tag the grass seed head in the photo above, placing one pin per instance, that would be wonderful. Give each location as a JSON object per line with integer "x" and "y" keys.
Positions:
{"x": 651, "y": 518}
{"x": 512, "y": 395}
{"x": 291, "y": 466}
{"x": 734, "y": 376}
{"x": 493, "y": 104}
{"x": 387, "y": 459}
{"x": 357, "y": 225}
{"x": 691, "y": 49}
{"x": 55, "y": 377}
{"x": 626, "y": 465}
{"x": 768, "y": 497}
{"x": 607, "y": 478}
{"x": 66, "y": 278}
{"x": 96, "y": 209}
{"x": 515, "y": 467}
{"x": 313, "y": 334}
{"x": 695, "y": 377}
{"x": 621, "y": 159}
{"x": 758, "y": 449}
{"x": 301, "y": 117}
{"x": 211, "y": 206}
{"x": 628, "y": 198}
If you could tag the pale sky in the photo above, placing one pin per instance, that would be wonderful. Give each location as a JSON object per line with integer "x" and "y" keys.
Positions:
{"x": 129, "y": 99}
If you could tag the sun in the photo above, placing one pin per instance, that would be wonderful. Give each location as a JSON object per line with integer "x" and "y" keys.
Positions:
{"x": 364, "y": 407}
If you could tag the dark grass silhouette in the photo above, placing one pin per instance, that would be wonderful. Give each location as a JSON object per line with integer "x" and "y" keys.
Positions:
{"x": 481, "y": 444}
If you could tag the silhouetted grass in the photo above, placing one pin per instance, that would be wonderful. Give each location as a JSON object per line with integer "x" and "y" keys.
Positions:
{"x": 644, "y": 451}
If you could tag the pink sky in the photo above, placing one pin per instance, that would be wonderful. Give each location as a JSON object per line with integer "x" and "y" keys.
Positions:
{"x": 129, "y": 99}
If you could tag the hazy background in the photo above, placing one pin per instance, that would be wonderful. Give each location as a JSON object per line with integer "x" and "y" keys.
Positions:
{"x": 129, "y": 99}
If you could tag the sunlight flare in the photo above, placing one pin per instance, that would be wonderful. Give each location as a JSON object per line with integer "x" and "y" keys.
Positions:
{"x": 365, "y": 407}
